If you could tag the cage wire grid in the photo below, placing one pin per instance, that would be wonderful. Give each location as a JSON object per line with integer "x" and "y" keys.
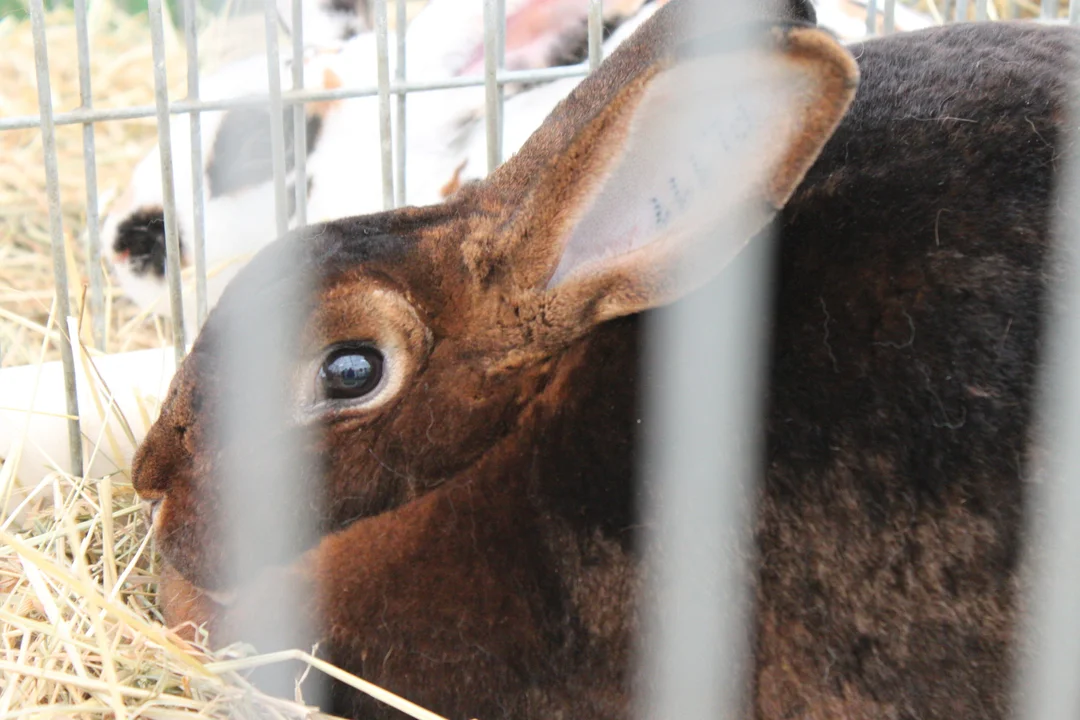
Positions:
{"x": 1049, "y": 694}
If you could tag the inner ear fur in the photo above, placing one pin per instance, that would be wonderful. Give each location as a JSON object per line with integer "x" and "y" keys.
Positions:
{"x": 666, "y": 268}
{"x": 552, "y": 183}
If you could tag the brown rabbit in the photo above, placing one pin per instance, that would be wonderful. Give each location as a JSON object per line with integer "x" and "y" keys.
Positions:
{"x": 479, "y": 553}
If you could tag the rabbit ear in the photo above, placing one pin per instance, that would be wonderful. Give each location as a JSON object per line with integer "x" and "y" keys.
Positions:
{"x": 698, "y": 143}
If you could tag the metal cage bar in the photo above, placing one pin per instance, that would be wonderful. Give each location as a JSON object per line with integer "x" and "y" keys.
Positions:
{"x": 198, "y": 210}
{"x": 56, "y": 232}
{"x": 182, "y": 107}
{"x": 168, "y": 188}
{"x": 1047, "y": 688}
{"x": 596, "y": 33}
{"x": 277, "y": 124}
{"x": 300, "y": 150}
{"x": 871, "y": 18}
{"x": 401, "y": 148}
{"x": 93, "y": 236}
{"x": 494, "y": 30}
{"x": 386, "y": 147}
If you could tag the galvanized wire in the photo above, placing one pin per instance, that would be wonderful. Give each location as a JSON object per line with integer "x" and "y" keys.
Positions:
{"x": 277, "y": 125}
{"x": 596, "y": 33}
{"x": 300, "y": 149}
{"x": 198, "y": 210}
{"x": 181, "y": 107}
{"x": 705, "y": 400}
{"x": 93, "y": 235}
{"x": 56, "y": 232}
{"x": 1050, "y": 663}
{"x": 386, "y": 147}
{"x": 494, "y": 31}
{"x": 168, "y": 189}
{"x": 401, "y": 146}
{"x": 890, "y": 17}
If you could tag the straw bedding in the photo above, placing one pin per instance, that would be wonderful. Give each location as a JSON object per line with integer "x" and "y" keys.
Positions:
{"x": 79, "y": 632}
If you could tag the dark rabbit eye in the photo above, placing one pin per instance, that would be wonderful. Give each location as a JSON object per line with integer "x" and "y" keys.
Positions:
{"x": 350, "y": 373}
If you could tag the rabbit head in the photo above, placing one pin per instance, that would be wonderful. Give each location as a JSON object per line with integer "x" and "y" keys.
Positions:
{"x": 432, "y": 332}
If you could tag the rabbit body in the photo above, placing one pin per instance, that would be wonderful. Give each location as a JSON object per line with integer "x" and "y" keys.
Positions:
{"x": 911, "y": 286}
{"x": 480, "y": 553}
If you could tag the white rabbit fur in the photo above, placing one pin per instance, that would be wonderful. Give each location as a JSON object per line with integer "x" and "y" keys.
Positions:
{"x": 327, "y": 21}
{"x": 444, "y": 128}
{"x": 236, "y": 224}
{"x": 524, "y": 112}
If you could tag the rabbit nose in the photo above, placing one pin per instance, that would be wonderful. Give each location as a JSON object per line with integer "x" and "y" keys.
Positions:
{"x": 157, "y": 460}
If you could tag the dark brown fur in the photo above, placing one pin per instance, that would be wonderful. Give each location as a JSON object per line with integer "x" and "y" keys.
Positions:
{"x": 480, "y": 550}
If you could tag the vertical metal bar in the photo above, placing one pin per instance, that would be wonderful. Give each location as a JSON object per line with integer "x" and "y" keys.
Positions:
{"x": 270, "y": 494}
{"x": 277, "y": 124}
{"x": 198, "y": 210}
{"x": 56, "y": 229}
{"x": 1049, "y": 9}
{"x": 704, "y": 408}
{"x": 382, "y": 45}
{"x": 1051, "y": 662}
{"x": 400, "y": 25}
{"x": 270, "y": 498}
{"x": 93, "y": 236}
{"x": 1074, "y": 12}
{"x": 871, "y": 18}
{"x": 961, "y": 10}
{"x": 168, "y": 190}
{"x": 299, "y": 110}
{"x": 890, "y": 17}
{"x": 492, "y": 89}
{"x": 596, "y": 33}
{"x": 500, "y": 50}
{"x": 982, "y": 13}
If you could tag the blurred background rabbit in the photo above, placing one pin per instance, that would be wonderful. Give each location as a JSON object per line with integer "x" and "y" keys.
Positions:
{"x": 445, "y": 133}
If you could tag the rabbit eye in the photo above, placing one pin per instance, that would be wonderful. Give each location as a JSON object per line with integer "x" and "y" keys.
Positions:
{"x": 350, "y": 373}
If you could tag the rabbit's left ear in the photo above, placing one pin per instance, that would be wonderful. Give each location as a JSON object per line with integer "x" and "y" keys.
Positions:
{"x": 698, "y": 151}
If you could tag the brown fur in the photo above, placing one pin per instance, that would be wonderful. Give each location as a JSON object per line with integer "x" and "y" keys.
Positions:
{"x": 479, "y": 549}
